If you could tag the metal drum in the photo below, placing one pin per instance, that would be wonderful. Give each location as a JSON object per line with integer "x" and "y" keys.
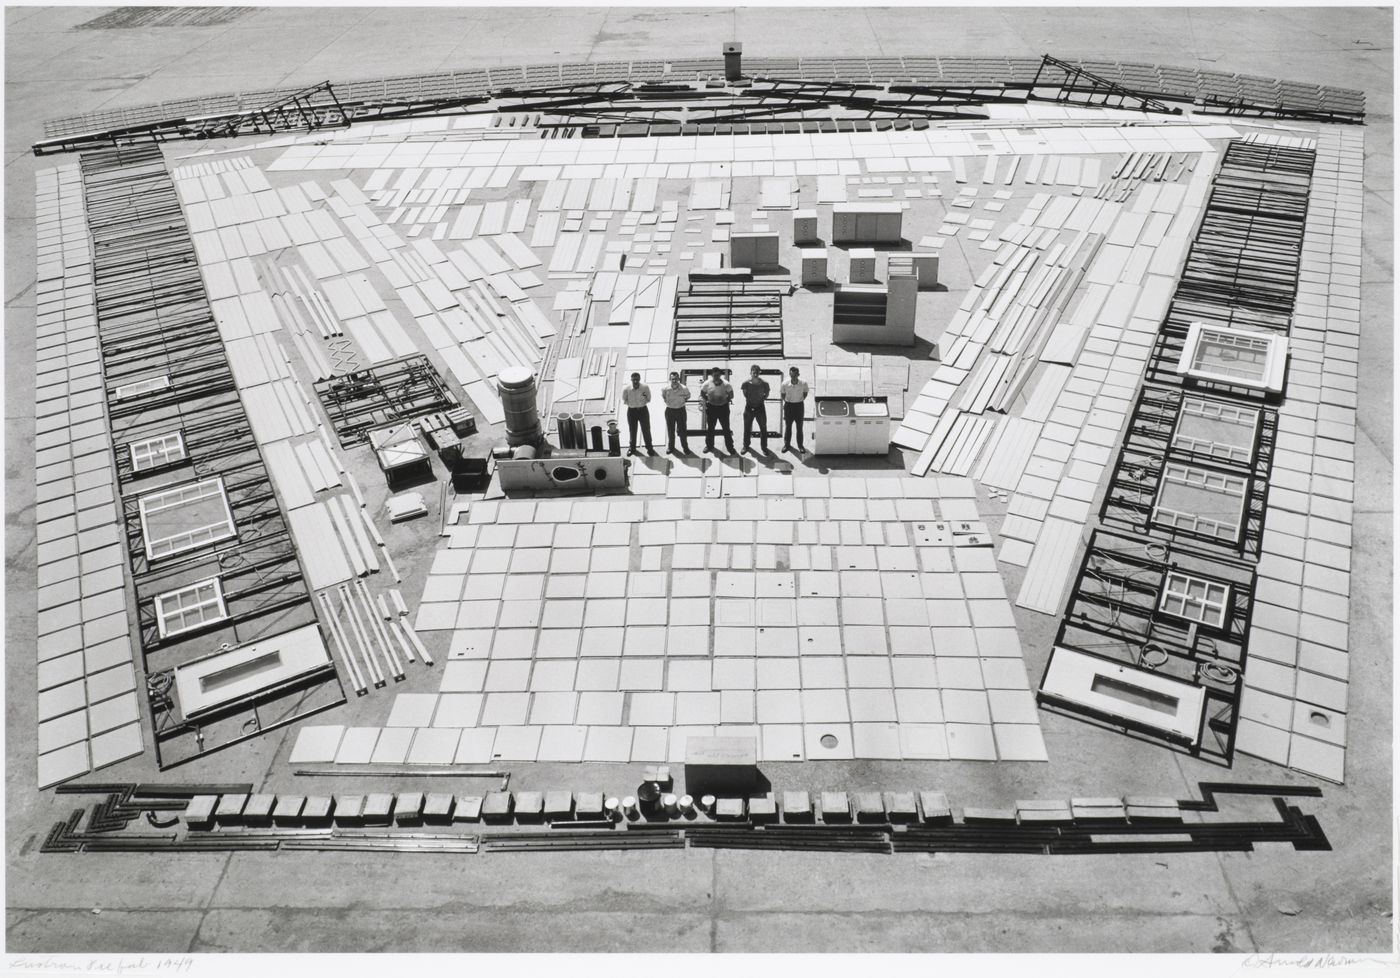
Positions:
{"x": 516, "y": 385}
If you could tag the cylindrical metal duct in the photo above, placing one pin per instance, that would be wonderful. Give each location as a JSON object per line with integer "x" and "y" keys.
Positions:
{"x": 566, "y": 431}
{"x": 516, "y": 385}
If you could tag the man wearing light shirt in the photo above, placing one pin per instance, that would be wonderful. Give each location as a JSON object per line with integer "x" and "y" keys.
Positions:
{"x": 636, "y": 398}
{"x": 717, "y": 395}
{"x": 794, "y": 395}
{"x": 675, "y": 397}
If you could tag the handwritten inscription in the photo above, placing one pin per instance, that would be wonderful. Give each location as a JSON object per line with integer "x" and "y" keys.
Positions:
{"x": 129, "y": 967}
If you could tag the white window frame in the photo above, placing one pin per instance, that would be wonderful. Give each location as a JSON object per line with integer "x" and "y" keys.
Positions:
{"x": 160, "y": 500}
{"x": 1201, "y": 407}
{"x": 200, "y": 604}
{"x": 1077, "y": 678}
{"x": 155, "y": 453}
{"x": 1177, "y": 587}
{"x": 1192, "y": 475}
{"x": 1275, "y": 355}
{"x": 148, "y": 386}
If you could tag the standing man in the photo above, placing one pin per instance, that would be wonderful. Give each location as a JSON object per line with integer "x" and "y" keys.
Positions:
{"x": 717, "y": 395}
{"x": 675, "y": 396}
{"x": 636, "y": 398}
{"x": 794, "y": 395}
{"x": 755, "y": 390}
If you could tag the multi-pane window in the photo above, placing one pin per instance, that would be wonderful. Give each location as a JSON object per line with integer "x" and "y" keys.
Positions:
{"x": 153, "y": 453}
{"x": 190, "y": 607}
{"x": 1201, "y": 501}
{"x": 1234, "y": 356}
{"x": 1214, "y": 428}
{"x": 185, "y": 517}
{"x": 1195, "y": 599}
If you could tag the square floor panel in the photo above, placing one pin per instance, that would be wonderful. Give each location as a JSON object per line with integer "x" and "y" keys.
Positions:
{"x": 954, "y": 673}
{"x": 918, "y": 706}
{"x": 434, "y": 745}
{"x": 871, "y": 705}
{"x": 868, "y": 672}
{"x": 597, "y": 674}
{"x": 737, "y": 706}
{"x": 602, "y": 641}
{"x": 1019, "y": 742}
{"x": 923, "y": 741}
{"x": 878, "y": 741}
{"x": 608, "y": 744}
{"x": 778, "y": 642}
{"x": 553, "y": 676}
{"x": 564, "y": 742}
{"x": 641, "y": 674}
{"x": 457, "y": 709}
{"x": 694, "y": 708}
{"x": 825, "y": 706}
{"x": 781, "y": 742}
{"x": 644, "y": 640}
{"x": 966, "y": 706}
{"x": 505, "y": 709}
{"x": 516, "y": 743}
{"x": 689, "y": 675}
{"x": 1004, "y": 674}
{"x": 464, "y": 676}
{"x": 917, "y": 671}
{"x": 476, "y": 746}
{"x": 1012, "y": 706}
{"x": 970, "y": 742}
{"x": 317, "y": 744}
{"x": 392, "y": 745}
{"x": 412, "y": 710}
{"x": 553, "y": 708}
{"x": 650, "y": 745}
{"x": 953, "y": 642}
{"x": 777, "y": 674}
{"x": 819, "y": 640}
{"x": 357, "y": 746}
{"x": 651, "y": 709}
{"x": 509, "y": 676}
{"x": 600, "y": 708}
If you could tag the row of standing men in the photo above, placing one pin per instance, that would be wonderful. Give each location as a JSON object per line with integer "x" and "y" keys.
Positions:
{"x": 716, "y": 397}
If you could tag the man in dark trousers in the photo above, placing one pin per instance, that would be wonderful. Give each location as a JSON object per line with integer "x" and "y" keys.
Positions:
{"x": 755, "y": 390}
{"x": 636, "y": 398}
{"x": 794, "y": 395}
{"x": 717, "y": 395}
{"x": 675, "y": 397}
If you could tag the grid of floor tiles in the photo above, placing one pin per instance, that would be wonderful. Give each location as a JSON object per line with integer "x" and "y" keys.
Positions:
{"x": 88, "y": 714}
{"x": 1294, "y": 707}
{"x": 829, "y": 617}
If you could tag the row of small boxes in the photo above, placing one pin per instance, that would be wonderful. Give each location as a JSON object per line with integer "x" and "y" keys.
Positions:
{"x": 412, "y": 808}
{"x": 406, "y": 808}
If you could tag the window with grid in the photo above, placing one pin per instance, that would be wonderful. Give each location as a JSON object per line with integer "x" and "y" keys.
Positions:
{"x": 156, "y": 452}
{"x": 1195, "y": 599}
{"x": 1231, "y": 355}
{"x": 190, "y": 607}
{"x": 1213, "y": 428}
{"x": 186, "y": 517}
{"x": 1201, "y": 501}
